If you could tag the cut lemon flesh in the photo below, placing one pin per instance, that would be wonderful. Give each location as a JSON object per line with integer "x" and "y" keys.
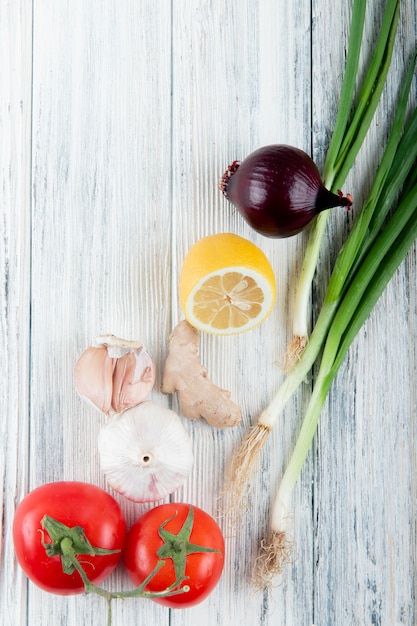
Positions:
{"x": 224, "y": 298}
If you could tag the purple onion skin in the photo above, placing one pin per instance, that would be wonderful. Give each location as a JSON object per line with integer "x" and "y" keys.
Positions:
{"x": 278, "y": 190}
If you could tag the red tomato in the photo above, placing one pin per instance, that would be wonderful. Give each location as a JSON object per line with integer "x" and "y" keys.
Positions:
{"x": 158, "y": 535}
{"x": 72, "y": 504}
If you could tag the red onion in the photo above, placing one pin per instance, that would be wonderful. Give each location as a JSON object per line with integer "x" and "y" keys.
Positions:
{"x": 278, "y": 190}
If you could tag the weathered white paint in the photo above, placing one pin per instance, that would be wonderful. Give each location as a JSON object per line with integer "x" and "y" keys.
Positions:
{"x": 117, "y": 120}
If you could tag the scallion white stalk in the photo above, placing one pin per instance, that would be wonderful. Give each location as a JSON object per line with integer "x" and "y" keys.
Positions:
{"x": 349, "y": 132}
{"x": 302, "y": 296}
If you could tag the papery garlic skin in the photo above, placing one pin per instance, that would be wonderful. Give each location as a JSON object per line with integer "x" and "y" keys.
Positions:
{"x": 115, "y": 375}
{"x": 145, "y": 453}
{"x": 117, "y": 347}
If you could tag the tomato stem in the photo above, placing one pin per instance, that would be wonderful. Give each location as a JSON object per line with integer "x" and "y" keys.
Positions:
{"x": 68, "y": 542}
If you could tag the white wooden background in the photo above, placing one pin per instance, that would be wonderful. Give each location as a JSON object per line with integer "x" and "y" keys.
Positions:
{"x": 117, "y": 119}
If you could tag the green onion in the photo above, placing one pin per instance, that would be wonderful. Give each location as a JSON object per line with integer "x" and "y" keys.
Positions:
{"x": 372, "y": 276}
{"x": 346, "y": 140}
{"x": 351, "y": 126}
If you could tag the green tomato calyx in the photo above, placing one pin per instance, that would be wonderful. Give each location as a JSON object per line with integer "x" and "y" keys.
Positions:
{"x": 178, "y": 547}
{"x": 66, "y": 542}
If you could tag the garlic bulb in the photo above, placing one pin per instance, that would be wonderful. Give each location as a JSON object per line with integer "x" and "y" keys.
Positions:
{"x": 145, "y": 452}
{"x": 115, "y": 375}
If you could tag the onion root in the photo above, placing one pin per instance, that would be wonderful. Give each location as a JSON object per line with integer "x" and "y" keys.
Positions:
{"x": 274, "y": 555}
{"x": 238, "y": 482}
{"x": 294, "y": 351}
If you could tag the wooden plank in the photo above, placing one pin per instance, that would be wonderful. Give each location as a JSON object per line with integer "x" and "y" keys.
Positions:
{"x": 231, "y": 70}
{"x": 101, "y": 231}
{"x": 364, "y": 495}
{"x": 15, "y": 126}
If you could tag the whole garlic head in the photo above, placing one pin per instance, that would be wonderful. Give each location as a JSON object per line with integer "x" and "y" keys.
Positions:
{"x": 145, "y": 453}
{"x": 114, "y": 375}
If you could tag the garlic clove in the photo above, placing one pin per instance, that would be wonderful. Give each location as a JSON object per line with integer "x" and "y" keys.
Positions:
{"x": 115, "y": 375}
{"x": 133, "y": 379}
{"x": 93, "y": 375}
{"x": 145, "y": 453}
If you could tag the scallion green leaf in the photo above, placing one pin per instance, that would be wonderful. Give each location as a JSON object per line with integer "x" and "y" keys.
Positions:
{"x": 351, "y": 126}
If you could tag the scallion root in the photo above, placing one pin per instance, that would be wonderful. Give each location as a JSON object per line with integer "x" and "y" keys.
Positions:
{"x": 238, "y": 481}
{"x": 272, "y": 559}
{"x": 294, "y": 351}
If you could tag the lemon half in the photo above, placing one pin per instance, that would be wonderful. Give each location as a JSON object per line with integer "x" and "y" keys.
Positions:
{"x": 227, "y": 285}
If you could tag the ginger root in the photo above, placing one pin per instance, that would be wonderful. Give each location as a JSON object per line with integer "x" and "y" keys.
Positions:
{"x": 184, "y": 373}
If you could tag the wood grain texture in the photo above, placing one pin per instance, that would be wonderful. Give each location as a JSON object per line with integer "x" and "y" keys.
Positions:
{"x": 117, "y": 120}
{"x": 15, "y": 159}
